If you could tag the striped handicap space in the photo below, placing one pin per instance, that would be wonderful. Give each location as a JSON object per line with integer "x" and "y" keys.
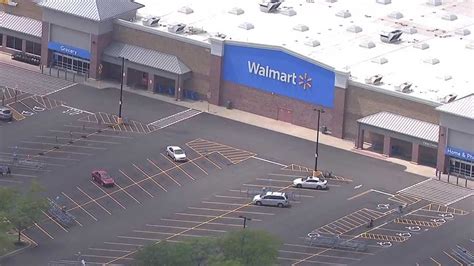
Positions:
{"x": 417, "y": 222}
{"x": 433, "y": 207}
{"x": 205, "y": 147}
{"x": 350, "y": 222}
{"x": 382, "y": 237}
{"x": 297, "y": 168}
{"x": 437, "y": 191}
{"x": 111, "y": 120}
{"x": 404, "y": 199}
{"x": 173, "y": 119}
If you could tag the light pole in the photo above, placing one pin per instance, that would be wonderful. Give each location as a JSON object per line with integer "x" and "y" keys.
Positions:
{"x": 245, "y": 220}
{"x": 122, "y": 74}
{"x": 316, "y": 155}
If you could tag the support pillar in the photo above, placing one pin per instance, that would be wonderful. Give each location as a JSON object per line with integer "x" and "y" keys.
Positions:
{"x": 178, "y": 93}
{"x": 442, "y": 161}
{"x": 360, "y": 139}
{"x": 415, "y": 153}
{"x": 151, "y": 82}
{"x": 4, "y": 42}
{"x": 23, "y": 45}
{"x": 387, "y": 145}
{"x": 217, "y": 53}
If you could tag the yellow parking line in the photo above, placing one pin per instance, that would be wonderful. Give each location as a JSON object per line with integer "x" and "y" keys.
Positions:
{"x": 178, "y": 227}
{"x": 453, "y": 258}
{"x": 123, "y": 244}
{"x": 200, "y": 168}
{"x": 44, "y": 231}
{"x": 222, "y": 203}
{"x": 126, "y": 192}
{"x": 213, "y": 216}
{"x": 107, "y": 194}
{"x": 157, "y": 167}
{"x": 217, "y": 166}
{"x": 223, "y": 210}
{"x": 177, "y": 166}
{"x": 28, "y": 238}
{"x": 139, "y": 238}
{"x": 133, "y": 181}
{"x": 135, "y": 124}
{"x": 197, "y": 222}
{"x": 149, "y": 177}
{"x": 54, "y": 221}
{"x": 230, "y": 197}
{"x": 87, "y": 195}
{"x": 92, "y": 216}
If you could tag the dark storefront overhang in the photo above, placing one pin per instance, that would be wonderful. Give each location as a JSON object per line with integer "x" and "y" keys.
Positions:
{"x": 401, "y": 127}
{"x": 143, "y": 59}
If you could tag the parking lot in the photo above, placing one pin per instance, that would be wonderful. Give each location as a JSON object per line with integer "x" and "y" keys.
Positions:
{"x": 155, "y": 198}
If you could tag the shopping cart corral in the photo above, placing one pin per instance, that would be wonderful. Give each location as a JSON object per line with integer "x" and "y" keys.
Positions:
{"x": 60, "y": 214}
{"x": 335, "y": 242}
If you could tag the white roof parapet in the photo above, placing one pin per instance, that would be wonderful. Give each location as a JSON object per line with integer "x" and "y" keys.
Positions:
{"x": 434, "y": 2}
{"x": 301, "y": 27}
{"x": 343, "y": 14}
{"x": 354, "y": 29}
{"x": 450, "y": 17}
{"x": 384, "y": 2}
{"x": 431, "y": 61}
{"x": 395, "y": 15}
{"x": 367, "y": 44}
{"x": 312, "y": 43}
{"x": 246, "y": 26}
{"x": 331, "y": 1}
{"x": 462, "y": 32}
{"x": 421, "y": 46}
{"x": 236, "y": 11}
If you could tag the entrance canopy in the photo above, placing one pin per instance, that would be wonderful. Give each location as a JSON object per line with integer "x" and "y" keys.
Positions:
{"x": 146, "y": 57}
{"x": 401, "y": 127}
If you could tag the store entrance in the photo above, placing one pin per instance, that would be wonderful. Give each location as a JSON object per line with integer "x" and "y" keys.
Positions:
{"x": 74, "y": 64}
{"x": 461, "y": 168}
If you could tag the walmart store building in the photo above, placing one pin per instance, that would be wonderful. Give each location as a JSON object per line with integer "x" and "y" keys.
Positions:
{"x": 91, "y": 37}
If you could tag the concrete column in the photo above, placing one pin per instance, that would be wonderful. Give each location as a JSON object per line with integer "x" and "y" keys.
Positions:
{"x": 4, "y": 42}
{"x": 178, "y": 93}
{"x": 337, "y": 112}
{"x": 217, "y": 53}
{"x": 98, "y": 44}
{"x": 151, "y": 82}
{"x": 360, "y": 139}
{"x": 415, "y": 153}
{"x": 387, "y": 145}
{"x": 125, "y": 74}
{"x": 441, "y": 162}
{"x": 23, "y": 45}
{"x": 44, "y": 44}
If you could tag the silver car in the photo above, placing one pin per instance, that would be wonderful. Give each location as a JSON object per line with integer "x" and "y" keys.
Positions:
{"x": 310, "y": 182}
{"x": 279, "y": 199}
{"x": 6, "y": 114}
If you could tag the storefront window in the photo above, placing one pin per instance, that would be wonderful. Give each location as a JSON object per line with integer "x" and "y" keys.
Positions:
{"x": 14, "y": 43}
{"x": 461, "y": 168}
{"x": 33, "y": 48}
{"x": 1, "y": 39}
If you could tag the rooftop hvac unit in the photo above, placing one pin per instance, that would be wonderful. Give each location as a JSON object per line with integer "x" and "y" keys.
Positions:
{"x": 449, "y": 98}
{"x": 391, "y": 37}
{"x": 177, "y": 28}
{"x": 151, "y": 22}
{"x": 374, "y": 80}
{"x": 405, "y": 87}
{"x": 270, "y": 6}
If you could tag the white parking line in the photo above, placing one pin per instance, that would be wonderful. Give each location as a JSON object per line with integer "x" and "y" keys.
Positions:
{"x": 63, "y": 88}
{"x": 268, "y": 161}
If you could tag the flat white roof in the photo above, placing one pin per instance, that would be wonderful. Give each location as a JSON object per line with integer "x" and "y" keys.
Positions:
{"x": 444, "y": 68}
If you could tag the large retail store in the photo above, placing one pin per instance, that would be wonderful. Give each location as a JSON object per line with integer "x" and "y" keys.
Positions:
{"x": 94, "y": 38}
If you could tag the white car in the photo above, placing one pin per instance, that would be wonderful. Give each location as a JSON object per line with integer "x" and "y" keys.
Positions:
{"x": 176, "y": 153}
{"x": 279, "y": 199}
{"x": 310, "y": 182}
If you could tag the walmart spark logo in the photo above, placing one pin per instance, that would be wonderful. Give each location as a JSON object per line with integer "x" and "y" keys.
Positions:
{"x": 305, "y": 81}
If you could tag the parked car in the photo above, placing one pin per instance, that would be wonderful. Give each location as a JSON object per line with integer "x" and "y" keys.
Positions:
{"x": 279, "y": 199}
{"x": 6, "y": 114}
{"x": 102, "y": 178}
{"x": 310, "y": 182}
{"x": 176, "y": 153}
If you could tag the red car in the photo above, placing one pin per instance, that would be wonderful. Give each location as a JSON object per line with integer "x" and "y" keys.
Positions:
{"x": 103, "y": 178}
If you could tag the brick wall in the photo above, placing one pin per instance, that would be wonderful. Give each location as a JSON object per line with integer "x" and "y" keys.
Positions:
{"x": 99, "y": 43}
{"x": 362, "y": 102}
{"x": 25, "y": 8}
{"x": 197, "y": 58}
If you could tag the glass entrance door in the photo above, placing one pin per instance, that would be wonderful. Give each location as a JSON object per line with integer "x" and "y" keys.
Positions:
{"x": 461, "y": 168}
{"x": 71, "y": 63}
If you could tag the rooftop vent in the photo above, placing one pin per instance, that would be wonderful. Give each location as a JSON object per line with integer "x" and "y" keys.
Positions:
{"x": 470, "y": 45}
{"x": 434, "y": 2}
{"x": 384, "y": 2}
{"x": 463, "y": 32}
{"x": 185, "y": 10}
{"x": 391, "y": 37}
{"x": 312, "y": 43}
{"x": 236, "y": 11}
{"x": 421, "y": 46}
{"x": 301, "y": 27}
{"x": 405, "y": 87}
{"x": 331, "y": 1}
{"x": 343, "y": 14}
{"x": 409, "y": 30}
{"x": 220, "y": 35}
{"x": 445, "y": 77}
{"x": 431, "y": 61}
{"x": 449, "y": 98}
{"x": 246, "y": 26}
{"x": 194, "y": 30}
{"x": 288, "y": 11}
{"x": 395, "y": 15}
{"x": 354, "y": 29}
{"x": 367, "y": 44}
{"x": 374, "y": 80}
{"x": 380, "y": 60}
{"x": 177, "y": 28}
{"x": 151, "y": 21}
{"x": 270, "y": 6}
{"x": 449, "y": 17}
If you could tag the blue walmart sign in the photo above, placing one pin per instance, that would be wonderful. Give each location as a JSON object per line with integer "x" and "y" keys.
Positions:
{"x": 69, "y": 50}
{"x": 280, "y": 73}
{"x": 460, "y": 154}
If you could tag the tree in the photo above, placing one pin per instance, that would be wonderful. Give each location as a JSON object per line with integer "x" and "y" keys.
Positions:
{"x": 239, "y": 248}
{"x": 21, "y": 210}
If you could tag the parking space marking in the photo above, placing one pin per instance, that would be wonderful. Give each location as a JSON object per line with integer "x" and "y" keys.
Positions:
{"x": 435, "y": 261}
{"x": 138, "y": 238}
{"x": 94, "y": 133}
{"x": 92, "y": 216}
{"x": 453, "y": 258}
{"x": 350, "y": 222}
{"x": 62, "y": 144}
{"x": 98, "y": 204}
{"x": 133, "y": 181}
{"x": 214, "y": 216}
{"x": 416, "y": 222}
{"x": 126, "y": 192}
{"x": 383, "y": 237}
{"x": 221, "y": 203}
{"x": 54, "y": 221}
{"x": 111, "y": 250}
{"x": 44, "y": 231}
{"x": 123, "y": 244}
{"x": 295, "y": 167}
{"x": 104, "y": 257}
{"x": 22, "y": 233}
{"x": 176, "y": 227}
{"x": 319, "y": 248}
{"x": 310, "y": 261}
{"x": 106, "y": 195}
{"x": 229, "y": 197}
{"x": 222, "y": 210}
{"x": 290, "y": 187}
{"x": 197, "y": 222}
{"x": 50, "y": 151}
{"x": 295, "y": 176}
{"x": 85, "y": 140}
{"x": 322, "y": 255}
{"x": 439, "y": 208}
{"x": 404, "y": 199}
{"x": 149, "y": 177}
{"x": 234, "y": 155}
{"x": 161, "y": 170}
{"x": 171, "y": 234}
{"x": 177, "y": 166}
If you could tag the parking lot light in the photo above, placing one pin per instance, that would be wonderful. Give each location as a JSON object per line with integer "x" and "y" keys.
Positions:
{"x": 122, "y": 74}
{"x": 316, "y": 155}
